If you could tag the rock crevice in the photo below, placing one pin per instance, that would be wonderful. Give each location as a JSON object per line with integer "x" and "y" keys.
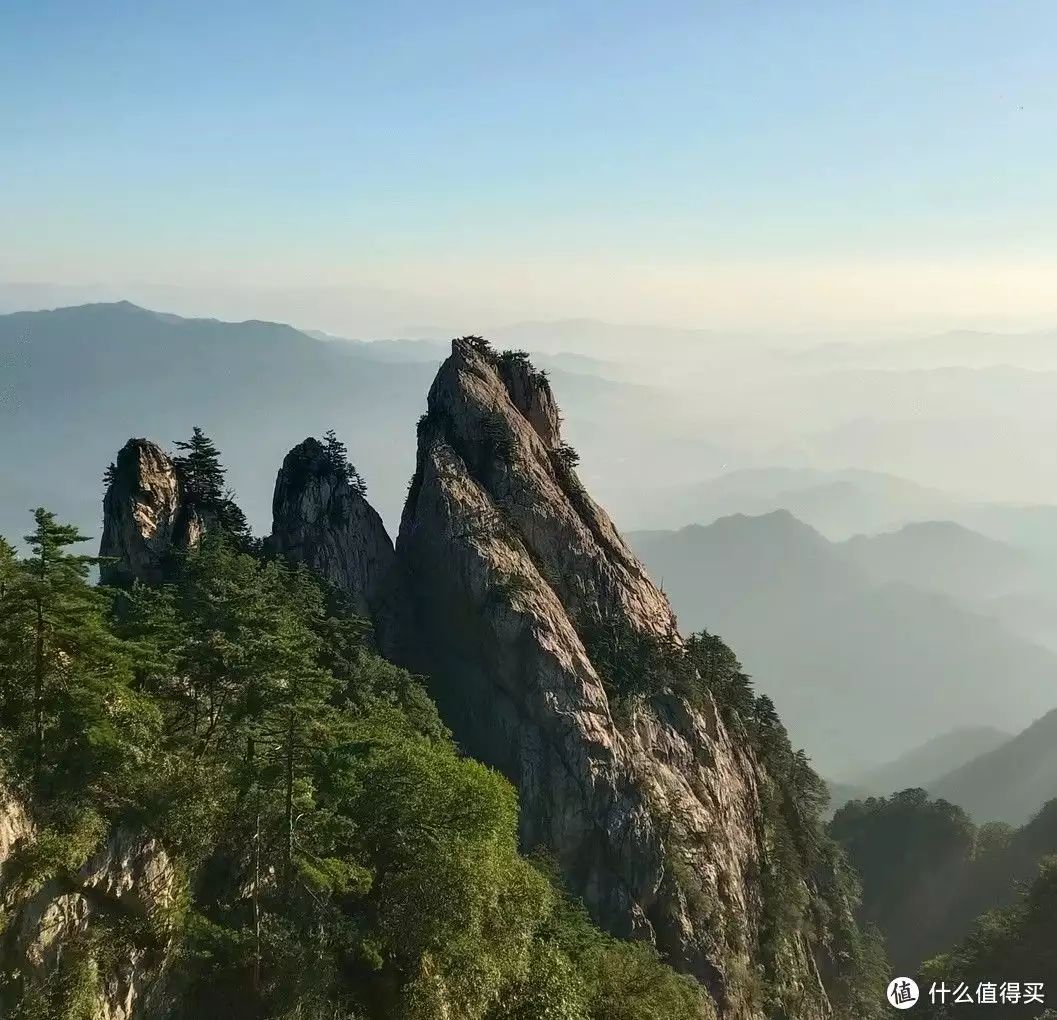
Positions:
{"x": 127, "y": 876}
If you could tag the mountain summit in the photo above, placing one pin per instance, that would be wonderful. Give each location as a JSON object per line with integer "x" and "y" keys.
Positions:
{"x": 648, "y": 773}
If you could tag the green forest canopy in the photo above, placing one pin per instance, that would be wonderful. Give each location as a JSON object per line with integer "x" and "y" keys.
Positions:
{"x": 240, "y": 715}
{"x": 340, "y": 858}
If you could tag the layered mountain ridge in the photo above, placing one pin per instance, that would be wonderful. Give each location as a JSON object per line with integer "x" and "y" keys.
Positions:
{"x": 512, "y": 591}
{"x": 846, "y": 626}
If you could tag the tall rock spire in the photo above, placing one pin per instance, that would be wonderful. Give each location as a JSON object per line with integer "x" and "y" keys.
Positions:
{"x": 320, "y": 518}
{"x": 521, "y": 588}
{"x": 145, "y": 515}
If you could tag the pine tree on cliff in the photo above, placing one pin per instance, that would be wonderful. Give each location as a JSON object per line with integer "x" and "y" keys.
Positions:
{"x": 338, "y": 458}
{"x": 200, "y": 469}
{"x": 203, "y": 476}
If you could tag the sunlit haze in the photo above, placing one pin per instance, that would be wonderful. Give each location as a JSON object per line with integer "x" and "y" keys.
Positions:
{"x": 377, "y": 169}
{"x": 528, "y": 511}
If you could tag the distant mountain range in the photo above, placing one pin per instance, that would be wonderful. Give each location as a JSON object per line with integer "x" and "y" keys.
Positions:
{"x": 844, "y": 503}
{"x": 862, "y": 667}
{"x": 934, "y": 758}
{"x": 941, "y": 556}
{"x": 939, "y": 765}
{"x": 75, "y": 383}
{"x": 908, "y": 630}
{"x": 837, "y": 503}
{"x": 974, "y": 348}
{"x": 1010, "y": 782}
{"x": 80, "y": 381}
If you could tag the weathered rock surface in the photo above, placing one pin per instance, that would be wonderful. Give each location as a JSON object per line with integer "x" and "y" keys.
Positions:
{"x": 504, "y": 576}
{"x": 145, "y": 517}
{"x": 128, "y": 877}
{"x": 321, "y": 519}
{"x": 655, "y": 819}
{"x": 15, "y": 826}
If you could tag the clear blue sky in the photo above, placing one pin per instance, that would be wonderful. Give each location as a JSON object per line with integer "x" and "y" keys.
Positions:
{"x": 411, "y": 144}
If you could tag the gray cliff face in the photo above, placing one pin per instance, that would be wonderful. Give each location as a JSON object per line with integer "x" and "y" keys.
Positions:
{"x": 125, "y": 877}
{"x": 145, "y": 517}
{"x": 654, "y": 819}
{"x": 319, "y": 518}
{"x": 504, "y": 576}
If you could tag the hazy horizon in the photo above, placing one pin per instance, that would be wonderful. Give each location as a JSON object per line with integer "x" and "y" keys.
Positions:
{"x": 325, "y": 311}
{"x": 363, "y": 171}
{"x": 680, "y": 642}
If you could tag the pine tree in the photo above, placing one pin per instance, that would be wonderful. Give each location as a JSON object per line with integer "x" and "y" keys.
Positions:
{"x": 79, "y": 716}
{"x": 200, "y": 469}
{"x": 336, "y": 451}
{"x": 55, "y": 590}
{"x": 15, "y": 631}
{"x": 338, "y": 458}
{"x": 479, "y": 344}
{"x": 722, "y": 675}
{"x": 202, "y": 476}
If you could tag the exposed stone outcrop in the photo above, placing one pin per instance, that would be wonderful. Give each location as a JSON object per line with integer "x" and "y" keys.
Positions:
{"x": 15, "y": 826}
{"x": 508, "y": 587}
{"x": 511, "y": 567}
{"x": 320, "y": 518}
{"x": 126, "y": 877}
{"x": 145, "y": 517}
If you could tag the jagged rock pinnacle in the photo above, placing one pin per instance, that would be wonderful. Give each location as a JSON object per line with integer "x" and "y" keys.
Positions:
{"x": 512, "y": 570}
{"x": 145, "y": 517}
{"x": 319, "y": 518}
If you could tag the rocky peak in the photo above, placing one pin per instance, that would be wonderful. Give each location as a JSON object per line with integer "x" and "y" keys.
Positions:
{"x": 651, "y": 808}
{"x": 320, "y": 517}
{"x": 497, "y": 415}
{"x": 145, "y": 515}
{"x": 530, "y": 393}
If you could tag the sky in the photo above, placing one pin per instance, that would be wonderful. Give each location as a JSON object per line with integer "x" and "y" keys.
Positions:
{"x": 363, "y": 168}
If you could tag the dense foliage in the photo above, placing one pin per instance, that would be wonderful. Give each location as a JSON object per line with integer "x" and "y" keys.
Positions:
{"x": 808, "y": 890}
{"x": 1015, "y": 944}
{"x": 928, "y": 872}
{"x": 911, "y": 854}
{"x": 339, "y": 858}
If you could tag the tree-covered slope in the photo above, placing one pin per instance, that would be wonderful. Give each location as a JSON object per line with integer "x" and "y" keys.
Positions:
{"x": 929, "y": 873}
{"x": 1018, "y": 940}
{"x": 323, "y": 849}
{"x": 1009, "y": 782}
